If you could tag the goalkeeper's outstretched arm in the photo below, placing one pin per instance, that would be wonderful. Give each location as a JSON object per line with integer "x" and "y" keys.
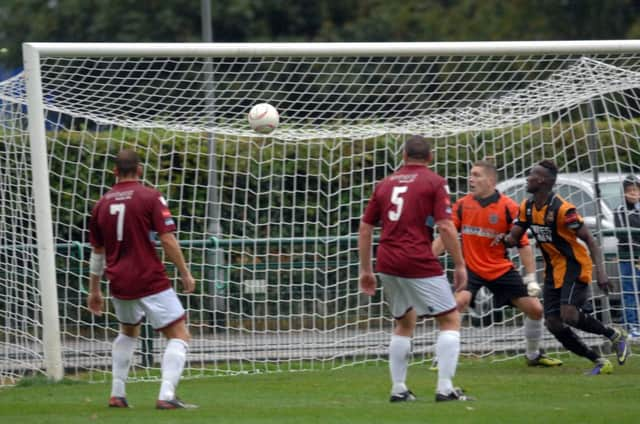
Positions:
{"x": 529, "y": 263}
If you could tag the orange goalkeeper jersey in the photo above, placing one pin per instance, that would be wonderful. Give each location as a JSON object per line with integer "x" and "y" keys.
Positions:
{"x": 479, "y": 222}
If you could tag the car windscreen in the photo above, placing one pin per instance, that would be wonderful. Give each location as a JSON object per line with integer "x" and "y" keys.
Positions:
{"x": 611, "y": 194}
{"x": 577, "y": 196}
{"x": 517, "y": 192}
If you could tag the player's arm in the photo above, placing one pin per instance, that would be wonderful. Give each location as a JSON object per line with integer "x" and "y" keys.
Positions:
{"x": 510, "y": 239}
{"x": 437, "y": 247}
{"x": 365, "y": 241}
{"x": 529, "y": 264}
{"x": 449, "y": 237}
{"x": 527, "y": 259}
{"x": 95, "y": 301}
{"x": 596, "y": 255}
{"x": 174, "y": 253}
{"x": 517, "y": 231}
{"x": 526, "y": 255}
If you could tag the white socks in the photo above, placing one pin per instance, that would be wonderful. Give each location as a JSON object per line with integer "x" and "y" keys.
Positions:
{"x": 399, "y": 349}
{"x": 533, "y": 335}
{"x": 173, "y": 361}
{"x": 121, "y": 354}
{"x": 447, "y": 352}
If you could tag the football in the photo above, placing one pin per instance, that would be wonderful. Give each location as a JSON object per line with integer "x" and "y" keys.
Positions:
{"x": 263, "y": 118}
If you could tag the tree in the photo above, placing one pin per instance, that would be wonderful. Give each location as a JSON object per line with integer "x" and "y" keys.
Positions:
{"x": 320, "y": 20}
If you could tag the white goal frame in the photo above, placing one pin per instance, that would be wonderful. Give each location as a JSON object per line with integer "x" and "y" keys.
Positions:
{"x": 33, "y": 52}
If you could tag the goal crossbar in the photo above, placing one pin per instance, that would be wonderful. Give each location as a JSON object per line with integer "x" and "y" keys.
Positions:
{"x": 335, "y": 49}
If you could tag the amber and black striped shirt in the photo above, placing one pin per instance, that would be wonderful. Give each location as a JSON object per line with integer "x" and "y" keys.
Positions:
{"x": 554, "y": 227}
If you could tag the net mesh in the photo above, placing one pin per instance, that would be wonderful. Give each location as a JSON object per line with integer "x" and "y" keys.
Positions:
{"x": 269, "y": 224}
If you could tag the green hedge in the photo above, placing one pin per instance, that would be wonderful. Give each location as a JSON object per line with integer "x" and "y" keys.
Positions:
{"x": 263, "y": 177}
{"x": 268, "y": 173}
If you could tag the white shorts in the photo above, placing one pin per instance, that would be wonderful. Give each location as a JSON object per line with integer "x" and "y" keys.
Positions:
{"x": 161, "y": 309}
{"x": 430, "y": 296}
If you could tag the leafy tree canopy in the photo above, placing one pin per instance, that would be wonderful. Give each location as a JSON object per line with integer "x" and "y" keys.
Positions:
{"x": 320, "y": 20}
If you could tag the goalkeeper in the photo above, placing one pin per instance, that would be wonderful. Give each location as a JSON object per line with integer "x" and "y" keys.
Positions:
{"x": 479, "y": 217}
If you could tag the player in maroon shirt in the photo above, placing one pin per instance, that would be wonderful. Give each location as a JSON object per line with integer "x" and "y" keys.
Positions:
{"x": 408, "y": 204}
{"x": 120, "y": 233}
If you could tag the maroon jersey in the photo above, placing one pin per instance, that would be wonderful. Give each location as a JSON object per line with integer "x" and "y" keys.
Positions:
{"x": 122, "y": 222}
{"x": 407, "y": 204}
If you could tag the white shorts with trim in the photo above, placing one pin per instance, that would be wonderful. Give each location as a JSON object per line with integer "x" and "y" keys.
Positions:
{"x": 428, "y": 296}
{"x": 161, "y": 309}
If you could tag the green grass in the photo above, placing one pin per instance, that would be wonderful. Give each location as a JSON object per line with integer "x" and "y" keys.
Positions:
{"x": 507, "y": 392}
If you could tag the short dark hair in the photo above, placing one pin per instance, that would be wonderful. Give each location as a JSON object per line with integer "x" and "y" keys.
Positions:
{"x": 487, "y": 166}
{"x": 417, "y": 147}
{"x": 630, "y": 180}
{"x": 551, "y": 168}
{"x": 127, "y": 163}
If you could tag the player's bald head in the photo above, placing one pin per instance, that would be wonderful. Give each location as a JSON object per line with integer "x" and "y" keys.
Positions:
{"x": 417, "y": 148}
{"x": 127, "y": 162}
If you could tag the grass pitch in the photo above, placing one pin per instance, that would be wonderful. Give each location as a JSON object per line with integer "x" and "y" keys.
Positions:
{"x": 507, "y": 392}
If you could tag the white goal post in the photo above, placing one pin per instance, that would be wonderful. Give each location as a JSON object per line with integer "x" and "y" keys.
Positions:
{"x": 269, "y": 222}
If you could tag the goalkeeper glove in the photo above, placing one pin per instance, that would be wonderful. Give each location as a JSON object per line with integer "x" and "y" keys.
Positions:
{"x": 533, "y": 288}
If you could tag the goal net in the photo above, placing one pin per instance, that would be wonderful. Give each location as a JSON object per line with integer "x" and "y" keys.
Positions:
{"x": 268, "y": 223}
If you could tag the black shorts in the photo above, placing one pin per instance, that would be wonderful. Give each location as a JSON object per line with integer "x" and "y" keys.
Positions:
{"x": 575, "y": 294}
{"x": 505, "y": 288}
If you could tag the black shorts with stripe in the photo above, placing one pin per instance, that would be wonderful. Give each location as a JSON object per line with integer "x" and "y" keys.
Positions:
{"x": 575, "y": 294}
{"x": 505, "y": 288}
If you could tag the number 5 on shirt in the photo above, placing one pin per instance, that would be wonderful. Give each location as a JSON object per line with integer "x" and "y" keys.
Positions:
{"x": 398, "y": 201}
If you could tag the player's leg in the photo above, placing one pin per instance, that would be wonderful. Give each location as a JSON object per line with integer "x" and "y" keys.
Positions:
{"x": 572, "y": 342}
{"x": 447, "y": 349}
{"x": 433, "y": 297}
{"x": 533, "y": 331}
{"x": 510, "y": 290}
{"x": 173, "y": 360}
{"x": 130, "y": 314}
{"x": 573, "y": 296}
{"x": 463, "y": 300}
{"x": 467, "y": 298}
{"x": 166, "y": 314}
{"x": 398, "y": 296}
{"x": 399, "y": 351}
{"x": 565, "y": 335}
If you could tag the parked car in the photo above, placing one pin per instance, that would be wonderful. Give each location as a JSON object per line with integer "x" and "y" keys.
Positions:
{"x": 578, "y": 189}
